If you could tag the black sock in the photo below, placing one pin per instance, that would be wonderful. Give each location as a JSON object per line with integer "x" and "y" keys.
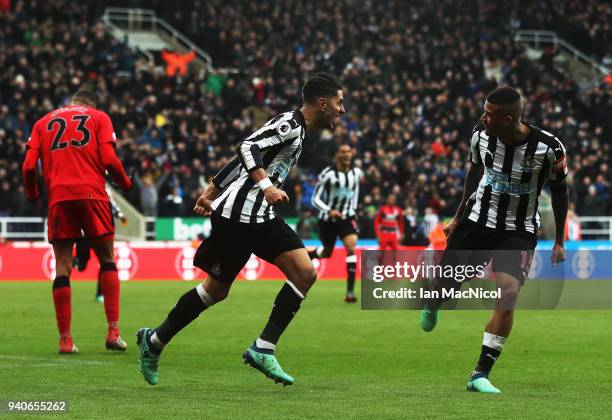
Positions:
{"x": 152, "y": 347}
{"x": 61, "y": 281}
{"x": 188, "y": 308}
{"x": 351, "y": 267}
{"x": 313, "y": 254}
{"x": 488, "y": 356}
{"x": 99, "y": 287}
{"x": 286, "y": 305}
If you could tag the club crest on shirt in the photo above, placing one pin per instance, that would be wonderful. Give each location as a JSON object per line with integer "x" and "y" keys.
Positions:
{"x": 528, "y": 161}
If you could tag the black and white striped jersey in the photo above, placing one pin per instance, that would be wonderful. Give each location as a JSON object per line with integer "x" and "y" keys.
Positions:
{"x": 275, "y": 147}
{"x": 115, "y": 209}
{"x": 337, "y": 190}
{"x": 507, "y": 195}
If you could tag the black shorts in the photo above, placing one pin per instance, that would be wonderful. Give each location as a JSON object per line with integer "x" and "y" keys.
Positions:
{"x": 509, "y": 251}
{"x": 330, "y": 230}
{"x": 230, "y": 245}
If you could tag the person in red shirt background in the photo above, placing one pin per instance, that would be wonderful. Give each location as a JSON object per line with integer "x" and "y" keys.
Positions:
{"x": 389, "y": 225}
{"x": 76, "y": 145}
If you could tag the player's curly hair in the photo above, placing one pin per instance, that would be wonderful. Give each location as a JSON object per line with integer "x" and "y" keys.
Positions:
{"x": 320, "y": 85}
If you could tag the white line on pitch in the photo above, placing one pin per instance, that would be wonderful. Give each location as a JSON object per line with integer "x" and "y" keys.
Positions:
{"x": 65, "y": 362}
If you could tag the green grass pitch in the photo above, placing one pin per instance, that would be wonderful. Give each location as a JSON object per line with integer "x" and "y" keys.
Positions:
{"x": 347, "y": 362}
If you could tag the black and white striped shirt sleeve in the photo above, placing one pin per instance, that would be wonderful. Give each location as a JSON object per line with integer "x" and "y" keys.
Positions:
{"x": 115, "y": 209}
{"x": 358, "y": 175}
{"x": 272, "y": 134}
{"x": 227, "y": 174}
{"x": 321, "y": 190}
{"x": 557, "y": 173}
{"x": 474, "y": 146}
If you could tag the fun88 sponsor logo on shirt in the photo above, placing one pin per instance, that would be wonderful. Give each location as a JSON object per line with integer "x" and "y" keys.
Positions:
{"x": 499, "y": 183}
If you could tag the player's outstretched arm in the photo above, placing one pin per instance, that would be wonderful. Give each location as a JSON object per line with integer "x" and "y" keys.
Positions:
{"x": 317, "y": 197}
{"x": 30, "y": 176}
{"x": 559, "y": 197}
{"x": 114, "y": 167}
{"x": 203, "y": 205}
{"x": 472, "y": 178}
{"x": 560, "y": 203}
{"x": 29, "y": 170}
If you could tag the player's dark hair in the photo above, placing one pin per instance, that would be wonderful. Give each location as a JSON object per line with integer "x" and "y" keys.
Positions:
{"x": 85, "y": 96}
{"x": 320, "y": 85}
{"x": 504, "y": 96}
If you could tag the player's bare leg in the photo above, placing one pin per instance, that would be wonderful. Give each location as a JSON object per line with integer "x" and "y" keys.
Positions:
{"x": 151, "y": 341}
{"x": 323, "y": 251}
{"x": 298, "y": 269}
{"x": 301, "y": 275}
{"x": 62, "y": 249}
{"x": 350, "y": 243}
{"x": 496, "y": 332}
{"x": 103, "y": 247}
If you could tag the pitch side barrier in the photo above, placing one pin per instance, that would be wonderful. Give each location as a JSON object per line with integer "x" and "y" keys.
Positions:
{"x": 587, "y": 261}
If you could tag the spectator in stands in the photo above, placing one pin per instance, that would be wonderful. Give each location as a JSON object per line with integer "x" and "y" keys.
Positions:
{"x": 307, "y": 226}
{"x": 430, "y": 221}
{"x": 411, "y": 109}
{"x": 5, "y": 199}
{"x": 174, "y": 202}
{"x": 594, "y": 204}
{"x": 149, "y": 189}
{"x": 573, "y": 231}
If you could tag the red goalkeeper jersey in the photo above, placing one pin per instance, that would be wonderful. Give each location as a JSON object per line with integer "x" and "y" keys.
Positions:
{"x": 73, "y": 145}
{"x": 389, "y": 219}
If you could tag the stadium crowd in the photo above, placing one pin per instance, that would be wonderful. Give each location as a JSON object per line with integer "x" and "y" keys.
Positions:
{"x": 416, "y": 76}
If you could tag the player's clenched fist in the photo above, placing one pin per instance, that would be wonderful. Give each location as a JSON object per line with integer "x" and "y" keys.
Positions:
{"x": 558, "y": 254}
{"x": 203, "y": 206}
{"x": 335, "y": 214}
{"x": 450, "y": 228}
{"x": 274, "y": 196}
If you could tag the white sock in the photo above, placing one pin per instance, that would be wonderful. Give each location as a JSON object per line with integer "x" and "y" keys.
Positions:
{"x": 156, "y": 341}
{"x": 263, "y": 344}
{"x": 206, "y": 298}
{"x": 493, "y": 341}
